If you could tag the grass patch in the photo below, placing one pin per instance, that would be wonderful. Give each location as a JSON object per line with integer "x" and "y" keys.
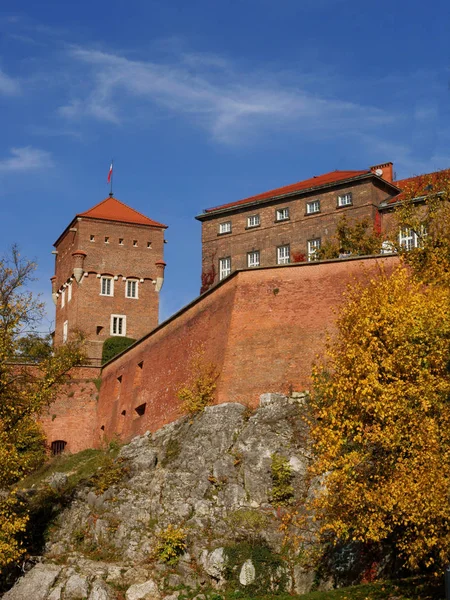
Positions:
{"x": 414, "y": 588}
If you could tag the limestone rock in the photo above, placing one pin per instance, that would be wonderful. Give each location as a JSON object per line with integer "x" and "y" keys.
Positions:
{"x": 36, "y": 584}
{"x": 143, "y": 591}
{"x": 214, "y": 562}
{"x": 247, "y": 574}
{"x": 57, "y": 481}
{"x": 77, "y": 588}
{"x": 100, "y": 591}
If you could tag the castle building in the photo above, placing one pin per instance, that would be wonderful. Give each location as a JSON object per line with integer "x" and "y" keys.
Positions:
{"x": 289, "y": 224}
{"x": 109, "y": 269}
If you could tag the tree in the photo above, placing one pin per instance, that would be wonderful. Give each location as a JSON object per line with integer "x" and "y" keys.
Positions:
{"x": 357, "y": 238}
{"x": 34, "y": 347}
{"x": 24, "y": 391}
{"x": 380, "y": 420}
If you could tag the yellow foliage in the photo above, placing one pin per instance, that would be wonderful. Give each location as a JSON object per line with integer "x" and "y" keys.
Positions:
{"x": 171, "y": 544}
{"x": 198, "y": 391}
{"x": 380, "y": 419}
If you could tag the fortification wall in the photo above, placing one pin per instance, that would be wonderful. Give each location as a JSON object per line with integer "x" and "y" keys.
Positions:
{"x": 72, "y": 417}
{"x": 262, "y": 328}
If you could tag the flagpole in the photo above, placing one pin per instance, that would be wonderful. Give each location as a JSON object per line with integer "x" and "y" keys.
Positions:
{"x": 112, "y": 175}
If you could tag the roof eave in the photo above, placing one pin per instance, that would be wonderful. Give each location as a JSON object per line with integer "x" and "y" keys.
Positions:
{"x": 209, "y": 213}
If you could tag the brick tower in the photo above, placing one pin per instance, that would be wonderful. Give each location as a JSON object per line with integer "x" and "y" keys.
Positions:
{"x": 109, "y": 270}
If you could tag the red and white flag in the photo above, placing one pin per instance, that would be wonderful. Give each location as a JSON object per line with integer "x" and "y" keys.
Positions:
{"x": 110, "y": 173}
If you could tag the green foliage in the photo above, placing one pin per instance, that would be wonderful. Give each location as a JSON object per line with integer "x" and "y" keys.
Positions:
{"x": 115, "y": 345}
{"x": 270, "y": 574}
{"x": 357, "y": 238}
{"x": 171, "y": 544}
{"x": 34, "y": 346}
{"x": 282, "y": 489}
{"x": 198, "y": 391}
{"x": 110, "y": 473}
{"x": 251, "y": 521}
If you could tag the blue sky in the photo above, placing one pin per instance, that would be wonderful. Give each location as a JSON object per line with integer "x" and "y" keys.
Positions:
{"x": 206, "y": 102}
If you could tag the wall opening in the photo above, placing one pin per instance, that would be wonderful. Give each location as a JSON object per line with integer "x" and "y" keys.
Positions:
{"x": 57, "y": 447}
{"x": 102, "y": 428}
{"x": 141, "y": 409}
{"x": 123, "y": 413}
{"x": 99, "y": 329}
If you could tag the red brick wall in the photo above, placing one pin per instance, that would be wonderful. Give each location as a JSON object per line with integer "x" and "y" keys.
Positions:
{"x": 72, "y": 417}
{"x": 262, "y": 328}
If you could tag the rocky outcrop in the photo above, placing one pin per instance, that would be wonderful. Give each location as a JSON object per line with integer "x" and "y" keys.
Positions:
{"x": 195, "y": 510}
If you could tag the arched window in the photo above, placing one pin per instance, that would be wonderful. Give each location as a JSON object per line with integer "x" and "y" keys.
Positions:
{"x": 57, "y": 447}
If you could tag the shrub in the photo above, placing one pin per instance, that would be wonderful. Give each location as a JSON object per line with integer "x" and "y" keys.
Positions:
{"x": 198, "y": 391}
{"x": 282, "y": 490}
{"x": 171, "y": 544}
{"x": 114, "y": 345}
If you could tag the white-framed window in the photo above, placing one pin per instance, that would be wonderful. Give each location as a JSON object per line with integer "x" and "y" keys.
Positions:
{"x": 345, "y": 199}
{"x": 69, "y": 292}
{"x": 312, "y": 207}
{"x": 65, "y": 331}
{"x": 106, "y": 286}
{"x": 313, "y": 248}
{"x": 253, "y": 221}
{"x": 224, "y": 267}
{"x": 225, "y": 227}
{"x": 253, "y": 258}
{"x": 282, "y": 214}
{"x": 131, "y": 288}
{"x": 283, "y": 255}
{"x": 409, "y": 239}
{"x": 63, "y": 298}
{"x": 118, "y": 325}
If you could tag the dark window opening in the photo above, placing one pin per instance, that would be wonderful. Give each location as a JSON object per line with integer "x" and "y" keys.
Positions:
{"x": 141, "y": 409}
{"x": 99, "y": 329}
{"x": 119, "y": 379}
{"x": 57, "y": 447}
{"x": 123, "y": 413}
{"x": 102, "y": 428}
{"x": 141, "y": 364}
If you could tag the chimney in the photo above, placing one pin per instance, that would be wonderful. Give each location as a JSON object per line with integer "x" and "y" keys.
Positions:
{"x": 385, "y": 171}
{"x": 160, "y": 266}
{"x": 78, "y": 260}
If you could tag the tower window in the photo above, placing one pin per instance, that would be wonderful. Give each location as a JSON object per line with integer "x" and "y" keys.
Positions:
{"x": 99, "y": 329}
{"x": 149, "y": 245}
{"x": 92, "y": 238}
{"x": 107, "y": 286}
{"x": 106, "y": 239}
{"x": 118, "y": 325}
{"x": 283, "y": 255}
{"x": 131, "y": 289}
{"x": 120, "y": 241}
{"x": 224, "y": 267}
{"x": 135, "y": 243}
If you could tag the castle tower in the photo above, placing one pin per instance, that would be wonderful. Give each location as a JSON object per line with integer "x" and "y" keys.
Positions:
{"x": 109, "y": 270}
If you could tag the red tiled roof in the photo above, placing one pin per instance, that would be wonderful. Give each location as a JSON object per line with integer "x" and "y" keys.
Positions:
{"x": 416, "y": 187}
{"x": 313, "y": 182}
{"x": 112, "y": 209}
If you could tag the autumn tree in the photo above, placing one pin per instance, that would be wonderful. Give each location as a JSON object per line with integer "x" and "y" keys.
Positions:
{"x": 24, "y": 391}
{"x": 380, "y": 420}
{"x": 359, "y": 237}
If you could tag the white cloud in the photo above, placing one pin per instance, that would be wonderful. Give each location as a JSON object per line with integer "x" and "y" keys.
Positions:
{"x": 26, "y": 158}
{"x": 207, "y": 91}
{"x": 8, "y": 86}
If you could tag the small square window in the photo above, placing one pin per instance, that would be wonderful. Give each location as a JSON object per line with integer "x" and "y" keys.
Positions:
{"x": 313, "y": 248}
{"x": 135, "y": 243}
{"x": 131, "y": 288}
{"x": 253, "y": 221}
{"x": 253, "y": 258}
{"x": 149, "y": 245}
{"x": 106, "y": 239}
{"x": 120, "y": 241}
{"x": 345, "y": 200}
{"x": 107, "y": 286}
{"x": 224, "y": 267}
{"x": 283, "y": 255}
{"x": 225, "y": 227}
{"x": 92, "y": 238}
{"x": 118, "y": 325}
{"x": 312, "y": 207}
{"x": 140, "y": 410}
{"x": 282, "y": 214}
